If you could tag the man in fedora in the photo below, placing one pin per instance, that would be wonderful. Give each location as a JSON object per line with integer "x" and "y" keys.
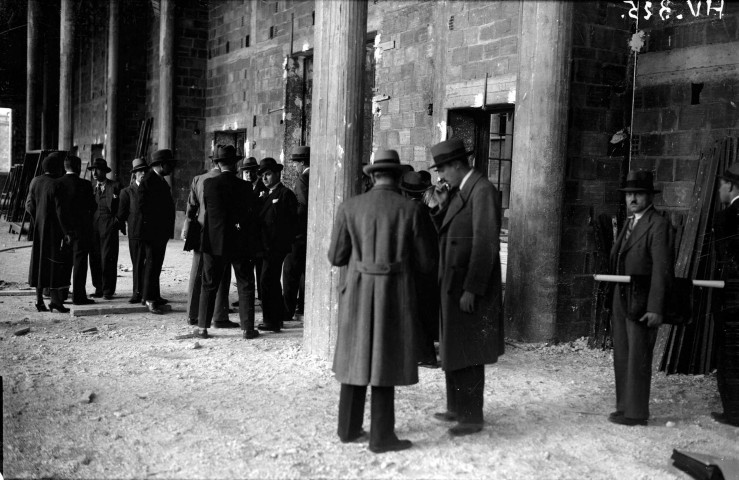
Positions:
{"x": 644, "y": 250}
{"x": 727, "y": 248}
{"x": 78, "y": 208}
{"x": 383, "y": 239}
{"x": 293, "y": 272}
{"x": 195, "y": 213}
{"x": 467, "y": 217}
{"x": 156, "y": 207}
{"x": 104, "y": 249}
{"x": 277, "y": 222}
{"x": 250, "y": 173}
{"x": 229, "y": 238}
{"x": 128, "y": 213}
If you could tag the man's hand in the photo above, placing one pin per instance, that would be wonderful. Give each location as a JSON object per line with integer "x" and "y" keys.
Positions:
{"x": 68, "y": 239}
{"x": 467, "y": 302}
{"x": 652, "y": 319}
{"x": 440, "y": 197}
{"x": 122, "y": 228}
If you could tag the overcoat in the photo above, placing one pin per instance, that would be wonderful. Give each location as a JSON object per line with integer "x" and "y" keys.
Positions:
{"x": 157, "y": 209}
{"x": 104, "y": 217}
{"x": 301, "y": 193}
{"x": 726, "y": 226}
{"x": 78, "y": 206}
{"x": 49, "y": 257}
{"x": 469, "y": 259}
{"x": 384, "y": 239}
{"x": 128, "y": 211}
{"x": 277, "y": 220}
{"x": 193, "y": 211}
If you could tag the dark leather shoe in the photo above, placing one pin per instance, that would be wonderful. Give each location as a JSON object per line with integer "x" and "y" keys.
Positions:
{"x": 268, "y": 327}
{"x": 86, "y": 301}
{"x": 108, "y": 297}
{"x": 617, "y": 413}
{"x": 462, "y": 429}
{"x": 226, "y": 324}
{"x": 392, "y": 446}
{"x": 446, "y": 416}
{"x": 722, "y": 418}
{"x": 135, "y": 299}
{"x": 192, "y": 321}
{"x": 161, "y": 301}
{"x": 201, "y": 333}
{"x": 58, "y": 308}
{"x": 249, "y": 334}
{"x": 153, "y": 308}
{"x": 628, "y": 422}
{"x": 360, "y": 436}
{"x": 97, "y": 294}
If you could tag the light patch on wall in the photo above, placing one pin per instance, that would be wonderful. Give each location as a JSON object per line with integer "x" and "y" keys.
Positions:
{"x": 339, "y": 156}
{"x": 442, "y": 130}
{"x": 478, "y": 101}
{"x": 378, "y": 49}
{"x": 306, "y": 47}
{"x": 376, "y": 109}
{"x": 282, "y": 156}
{"x": 512, "y": 96}
{"x": 372, "y": 158}
{"x": 247, "y": 148}
{"x": 637, "y": 41}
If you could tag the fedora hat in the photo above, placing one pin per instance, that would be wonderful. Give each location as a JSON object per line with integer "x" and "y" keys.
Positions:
{"x": 731, "y": 174}
{"x": 300, "y": 154}
{"x": 413, "y": 182}
{"x": 226, "y": 154}
{"x": 271, "y": 164}
{"x": 138, "y": 164}
{"x": 249, "y": 164}
{"x": 448, "y": 151}
{"x": 385, "y": 160}
{"x": 162, "y": 156}
{"x": 53, "y": 162}
{"x": 639, "y": 181}
{"x": 100, "y": 164}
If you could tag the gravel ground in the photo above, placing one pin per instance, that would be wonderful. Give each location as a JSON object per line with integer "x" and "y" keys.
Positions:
{"x": 130, "y": 401}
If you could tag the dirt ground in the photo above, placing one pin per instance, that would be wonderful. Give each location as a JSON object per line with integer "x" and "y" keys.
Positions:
{"x": 164, "y": 408}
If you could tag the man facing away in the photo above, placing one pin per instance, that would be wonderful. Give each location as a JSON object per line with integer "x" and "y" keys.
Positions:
{"x": 384, "y": 239}
{"x": 128, "y": 213}
{"x": 293, "y": 273}
{"x": 104, "y": 249}
{"x": 644, "y": 250}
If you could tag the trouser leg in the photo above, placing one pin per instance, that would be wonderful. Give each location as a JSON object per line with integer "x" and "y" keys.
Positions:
{"x": 290, "y": 285}
{"x": 96, "y": 264}
{"x": 620, "y": 347}
{"x": 213, "y": 267}
{"x": 639, "y": 371}
{"x": 258, "y": 276}
{"x": 382, "y": 429}
{"x": 243, "y": 270}
{"x": 195, "y": 285}
{"x": 727, "y": 374}
{"x": 351, "y": 411}
{"x": 469, "y": 383}
{"x": 273, "y": 304}
{"x": 110, "y": 260}
{"x": 154, "y": 260}
{"x": 451, "y": 393}
{"x": 39, "y": 295}
{"x": 80, "y": 252}
{"x": 137, "y": 262}
{"x": 220, "y": 313}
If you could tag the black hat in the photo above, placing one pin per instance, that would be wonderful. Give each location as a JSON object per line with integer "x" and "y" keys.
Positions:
{"x": 448, "y": 151}
{"x": 249, "y": 164}
{"x": 226, "y": 154}
{"x": 100, "y": 164}
{"x": 269, "y": 163}
{"x": 301, "y": 154}
{"x": 52, "y": 162}
{"x": 162, "y": 156}
{"x": 413, "y": 182}
{"x": 385, "y": 160}
{"x": 639, "y": 181}
{"x": 139, "y": 164}
{"x": 731, "y": 174}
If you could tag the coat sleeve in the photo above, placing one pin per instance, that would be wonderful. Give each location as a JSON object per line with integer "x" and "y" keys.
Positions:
{"x": 124, "y": 206}
{"x": 31, "y": 200}
{"x": 426, "y": 250}
{"x": 661, "y": 251}
{"x": 485, "y": 240}
{"x": 63, "y": 208}
{"x": 340, "y": 249}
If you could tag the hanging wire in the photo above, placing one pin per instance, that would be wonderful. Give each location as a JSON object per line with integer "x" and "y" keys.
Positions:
{"x": 633, "y": 86}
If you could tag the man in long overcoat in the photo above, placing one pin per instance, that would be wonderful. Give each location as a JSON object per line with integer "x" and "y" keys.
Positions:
{"x": 643, "y": 250}
{"x": 467, "y": 218}
{"x": 104, "y": 249}
{"x": 293, "y": 273}
{"x": 158, "y": 214}
{"x": 249, "y": 171}
{"x": 384, "y": 239}
{"x": 77, "y": 213}
{"x": 49, "y": 257}
{"x": 129, "y": 215}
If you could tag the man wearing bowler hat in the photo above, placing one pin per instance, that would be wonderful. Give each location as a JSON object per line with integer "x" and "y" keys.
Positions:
{"x": 195, "y": 212}
{"x": 644, "y": 250}
{"x": 466, "y": 211}
{"x": 727, "y": 247}
{"x": 128, "y": 213}
{"x": 384, "y": 240}
{"x": 157, "y": 224}
{"x": 104, "y": 249}
{"x": 277, "y": 221}
{"x": 294, "y": 270}
{"x": 250, "y": 173}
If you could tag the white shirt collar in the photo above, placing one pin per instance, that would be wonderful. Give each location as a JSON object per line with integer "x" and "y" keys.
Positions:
{"x": 138, "y": 182}
{"x": 637, "y": 216}
{"x": 306, "y": 169}
{"x": 466, "y": 177}
{"x": 734, "y": 200}
{"x": 70, "y": 173}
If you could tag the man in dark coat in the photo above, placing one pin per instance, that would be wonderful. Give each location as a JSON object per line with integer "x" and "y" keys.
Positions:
{"x": 228, "y": 238}
{"x": 78, "y": 209}
{"x": 128, "y": 213}
{"x": 277, "y": 221}
{"x": 157, "y": 214}
{"x": 293, "y": 273}
{"x": 727, "y": 247}
{"x": 49, "y": 255}
{"x": 104, "y": 249}
{"x": 384, "y": 239}
{"x": 467, "y": 218}
{"x": 195, "y": 212}
{"x": 643, "y": 250}
{"x": 249, "y": 170}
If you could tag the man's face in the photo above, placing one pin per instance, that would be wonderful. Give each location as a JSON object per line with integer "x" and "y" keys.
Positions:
{"x": 270, "y": 178}
{"x": 99, "y": 174}
{"x": 451, "y": 173}
{"x": 726, "y": 191}
{"x": 167, "y": 168}
{"x": 139, "y": 175}
{"x": 637, "y": 202}
{"x": 251, "y": 175}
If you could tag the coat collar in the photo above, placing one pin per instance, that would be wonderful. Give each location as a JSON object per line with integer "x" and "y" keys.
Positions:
{"x": 459, "y": 199}
{"x": 641, "y": 229}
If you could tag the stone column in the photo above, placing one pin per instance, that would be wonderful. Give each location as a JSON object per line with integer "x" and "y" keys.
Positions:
{"x": 45, "y": 97}
{"x": 336, "y": 152}
{"x": 166, "y": 76}
{"x": 111, "y": 124}
{"x": 32, "y": 75}
{"x": 539, "y": 158}
{"x": 66, "y": 72}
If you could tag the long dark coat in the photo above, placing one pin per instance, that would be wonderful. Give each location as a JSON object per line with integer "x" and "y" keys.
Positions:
{"x": 78, "y": 206}
{"x": 278, "y": 220}
{"x": 49, "y": 258}
{"x": 384, "y": 239}
{"x": 469, "y": 259}
{"x": 157, "y": 209}
{"x": 128, "y": 211}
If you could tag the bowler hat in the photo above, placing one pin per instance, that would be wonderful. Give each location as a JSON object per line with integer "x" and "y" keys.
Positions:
{"x": 413, "y": 182}
{"x": 731, "y": 174}
{"x": 269, "y": 163}
{"x": 385, "y": 160}
{"x": 448, "y": 151}
{"x": 249, "y": 164}
{"x": 100, "y": 164}
{"x": 138, "y": 164}
{"x": 52, "y": 162}
{"x": 300, "y": 154}
{"x": 162, "y": 156}
{"x": 226, "y": 154}
{"x": 639, "y": 181}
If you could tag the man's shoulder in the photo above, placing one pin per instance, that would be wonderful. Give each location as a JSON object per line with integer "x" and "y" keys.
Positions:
{"x": 657, "y": 218}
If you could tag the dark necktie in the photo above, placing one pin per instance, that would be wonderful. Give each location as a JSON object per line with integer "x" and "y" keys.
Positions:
{"x": 100, "y": 187}
{"x": 629, "y": 228}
